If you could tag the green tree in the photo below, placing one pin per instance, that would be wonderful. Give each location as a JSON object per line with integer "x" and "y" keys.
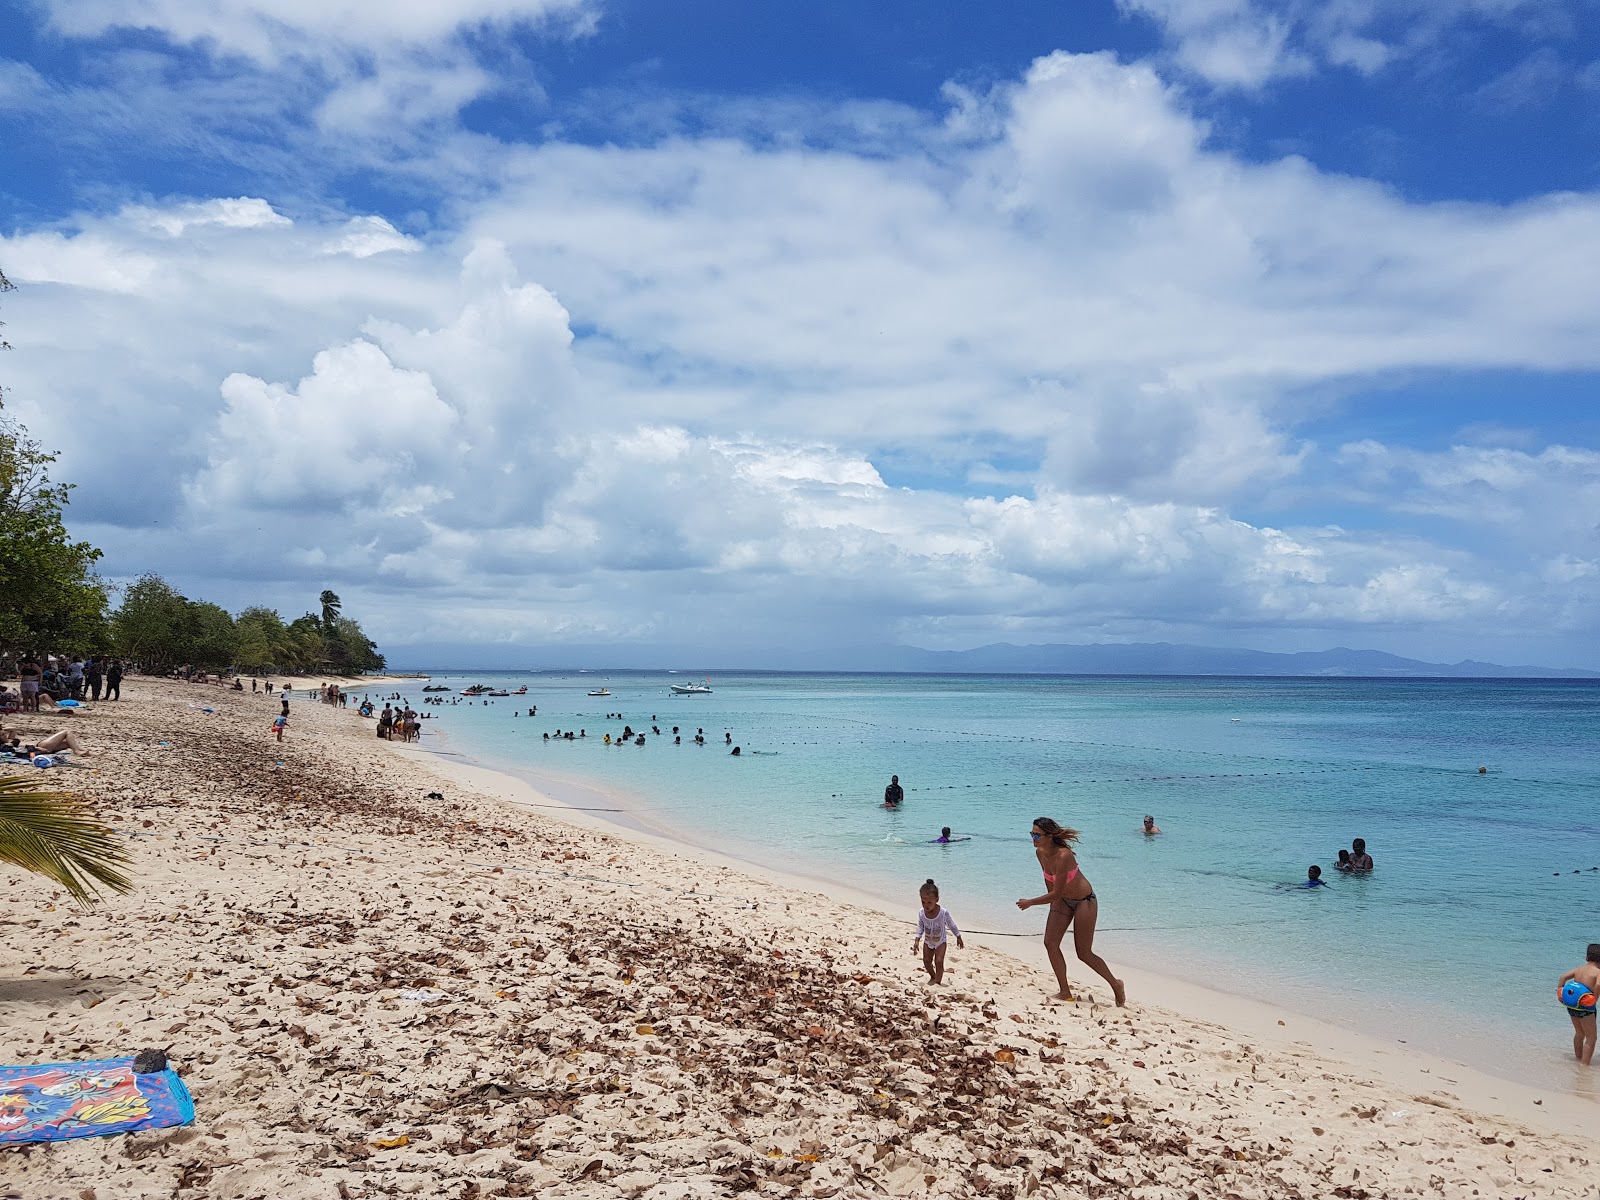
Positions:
{"x": 350, "y": 650}
{"x": 210, "y": 639}
{"x": 307, "y": 644}
{"x": 49, "y": 593}
{"x": 330, "y": 608}
{"x": 152, "y": 623}
{"x": 263, "y": 639}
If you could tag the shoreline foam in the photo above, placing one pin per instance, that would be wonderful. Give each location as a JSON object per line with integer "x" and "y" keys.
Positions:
{"x": 372, "y": 993}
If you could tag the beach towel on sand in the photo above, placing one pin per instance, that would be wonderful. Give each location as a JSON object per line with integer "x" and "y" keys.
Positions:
{"x": 52, "y": 1101}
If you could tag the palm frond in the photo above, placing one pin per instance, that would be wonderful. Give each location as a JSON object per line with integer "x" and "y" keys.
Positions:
{"x": 56, "y": 835}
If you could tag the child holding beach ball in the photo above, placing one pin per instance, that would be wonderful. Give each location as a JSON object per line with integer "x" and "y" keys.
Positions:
{"x": 1579, "y": 990}
{"x": 934, "y": 925}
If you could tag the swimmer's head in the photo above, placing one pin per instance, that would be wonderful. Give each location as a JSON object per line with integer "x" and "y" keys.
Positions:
{"x": 1359, "y": 845}
{"x": 1593, "y": 955}
{"x": 1149, "y": 821}
{"x": 929, "y": 890}
{"x": 1046, "y": 827}
{"x": 1344, "y": 856}
{"x": 894, "y": 779}
{"x": 945, "y": 832}
{"x": 1313, "y": 872}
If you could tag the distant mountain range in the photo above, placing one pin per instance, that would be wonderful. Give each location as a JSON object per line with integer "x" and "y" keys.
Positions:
{"x": 1139, "y": 658}
{"x": 1165, "y": 658}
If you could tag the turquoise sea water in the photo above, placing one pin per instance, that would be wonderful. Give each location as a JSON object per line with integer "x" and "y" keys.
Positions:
{"x": 1453, "y": 944}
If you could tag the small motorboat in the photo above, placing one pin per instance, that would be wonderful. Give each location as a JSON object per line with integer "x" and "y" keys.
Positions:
{"x": 502, "y": 692}
{"x": 438, "y": 687}
{"x": 690, "y": 689}
{"x": 599, "y": 692}
{"x": 476, "y": 689}
{"x": 521, "y": 691}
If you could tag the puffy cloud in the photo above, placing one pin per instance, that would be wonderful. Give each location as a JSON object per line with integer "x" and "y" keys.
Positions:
{"x": 370, "y": 73}
{"x": 1248, "y": 43}
{"x": 670, "y": 388}
{"x": 269, "y": 29}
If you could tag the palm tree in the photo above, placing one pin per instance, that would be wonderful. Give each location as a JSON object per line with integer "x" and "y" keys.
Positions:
{"x": 55, "y": 835}
{"x": 330, "y": 607}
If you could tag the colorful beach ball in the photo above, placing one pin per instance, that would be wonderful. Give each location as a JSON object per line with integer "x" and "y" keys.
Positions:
{"x": 1576, "y": 995}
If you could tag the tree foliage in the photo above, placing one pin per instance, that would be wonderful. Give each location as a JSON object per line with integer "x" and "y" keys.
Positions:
{"x": 49, "y": 593}
{"x": 161, "y": 629}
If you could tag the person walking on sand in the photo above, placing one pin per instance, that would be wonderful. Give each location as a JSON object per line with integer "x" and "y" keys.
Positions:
{"x": 1072, "y": 903}
{"x": 934, "y": 925}
{"x": 114, "y": 680}
{"x": 1571, "y": 989}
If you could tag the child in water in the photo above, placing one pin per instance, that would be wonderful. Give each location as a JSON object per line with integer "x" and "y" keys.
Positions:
{"x": 1583, "y": 1018}
{"x": 934, "y": 924}
{"x": 1314, "y": 878}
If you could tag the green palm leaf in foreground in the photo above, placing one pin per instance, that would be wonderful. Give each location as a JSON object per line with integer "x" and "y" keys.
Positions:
{"x": 55, "y": 835}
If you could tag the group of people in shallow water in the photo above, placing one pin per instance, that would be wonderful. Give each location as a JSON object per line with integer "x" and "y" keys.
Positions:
{"x": 636, "y": 737}
{"x": 1068, "y": 896}
{"x": 1354, "y": 861}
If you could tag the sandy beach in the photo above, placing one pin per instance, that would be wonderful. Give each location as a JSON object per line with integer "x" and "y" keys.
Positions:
{"x": 372, "y": 992}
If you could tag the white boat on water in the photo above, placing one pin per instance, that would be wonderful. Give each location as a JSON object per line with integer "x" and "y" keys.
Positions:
{"x": 599, "y": 692}
{"x": 690, "y": 689}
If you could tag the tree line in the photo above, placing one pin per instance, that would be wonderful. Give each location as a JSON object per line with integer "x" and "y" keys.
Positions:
{"x": 160, "y": 629}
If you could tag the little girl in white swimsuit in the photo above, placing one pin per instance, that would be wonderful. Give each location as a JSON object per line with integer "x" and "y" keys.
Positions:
{"x": 934, "y": 925}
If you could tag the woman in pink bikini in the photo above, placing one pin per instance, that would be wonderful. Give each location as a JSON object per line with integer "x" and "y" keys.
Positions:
{"x": 1072, "y": 902}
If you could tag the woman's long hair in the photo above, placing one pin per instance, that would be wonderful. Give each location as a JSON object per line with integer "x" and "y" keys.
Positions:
{"x": 1061, "y": 835}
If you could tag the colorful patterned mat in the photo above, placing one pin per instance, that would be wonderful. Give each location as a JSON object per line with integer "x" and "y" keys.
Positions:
{"x": 52, "y": 1101}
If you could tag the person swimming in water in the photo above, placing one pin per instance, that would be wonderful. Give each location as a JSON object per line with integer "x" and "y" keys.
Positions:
{"x": 944, "y": 837}
{"x": 1314, "y": 878}
{"x": 1072, "y": 904}
{"x": 1150, "y": 829}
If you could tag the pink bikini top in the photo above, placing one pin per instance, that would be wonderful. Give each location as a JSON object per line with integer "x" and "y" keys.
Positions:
{"x": 1050, "y": 880}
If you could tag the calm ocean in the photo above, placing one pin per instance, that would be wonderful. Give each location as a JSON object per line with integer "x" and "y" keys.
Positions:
{"x": 1453, "y": 944}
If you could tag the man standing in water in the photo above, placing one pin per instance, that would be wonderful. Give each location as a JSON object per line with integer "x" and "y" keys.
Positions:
{"x": 894, "y": 794}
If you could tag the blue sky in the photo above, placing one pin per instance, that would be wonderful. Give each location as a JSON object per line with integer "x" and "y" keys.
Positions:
{"x": 729, "y": 325}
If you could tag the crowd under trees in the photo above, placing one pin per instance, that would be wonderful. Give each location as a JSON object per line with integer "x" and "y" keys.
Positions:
{"x": 52, "y": 601}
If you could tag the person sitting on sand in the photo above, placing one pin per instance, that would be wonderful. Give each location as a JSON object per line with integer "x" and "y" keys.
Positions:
{"x": 1314, "y": 878}
{"x": 1072, "y": 903}
{"x": 53, "y": 743}
{"x": 1360, "y": 860}
{"x": 1150, "y": 829}
{"x": 1583, "y": 1018}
